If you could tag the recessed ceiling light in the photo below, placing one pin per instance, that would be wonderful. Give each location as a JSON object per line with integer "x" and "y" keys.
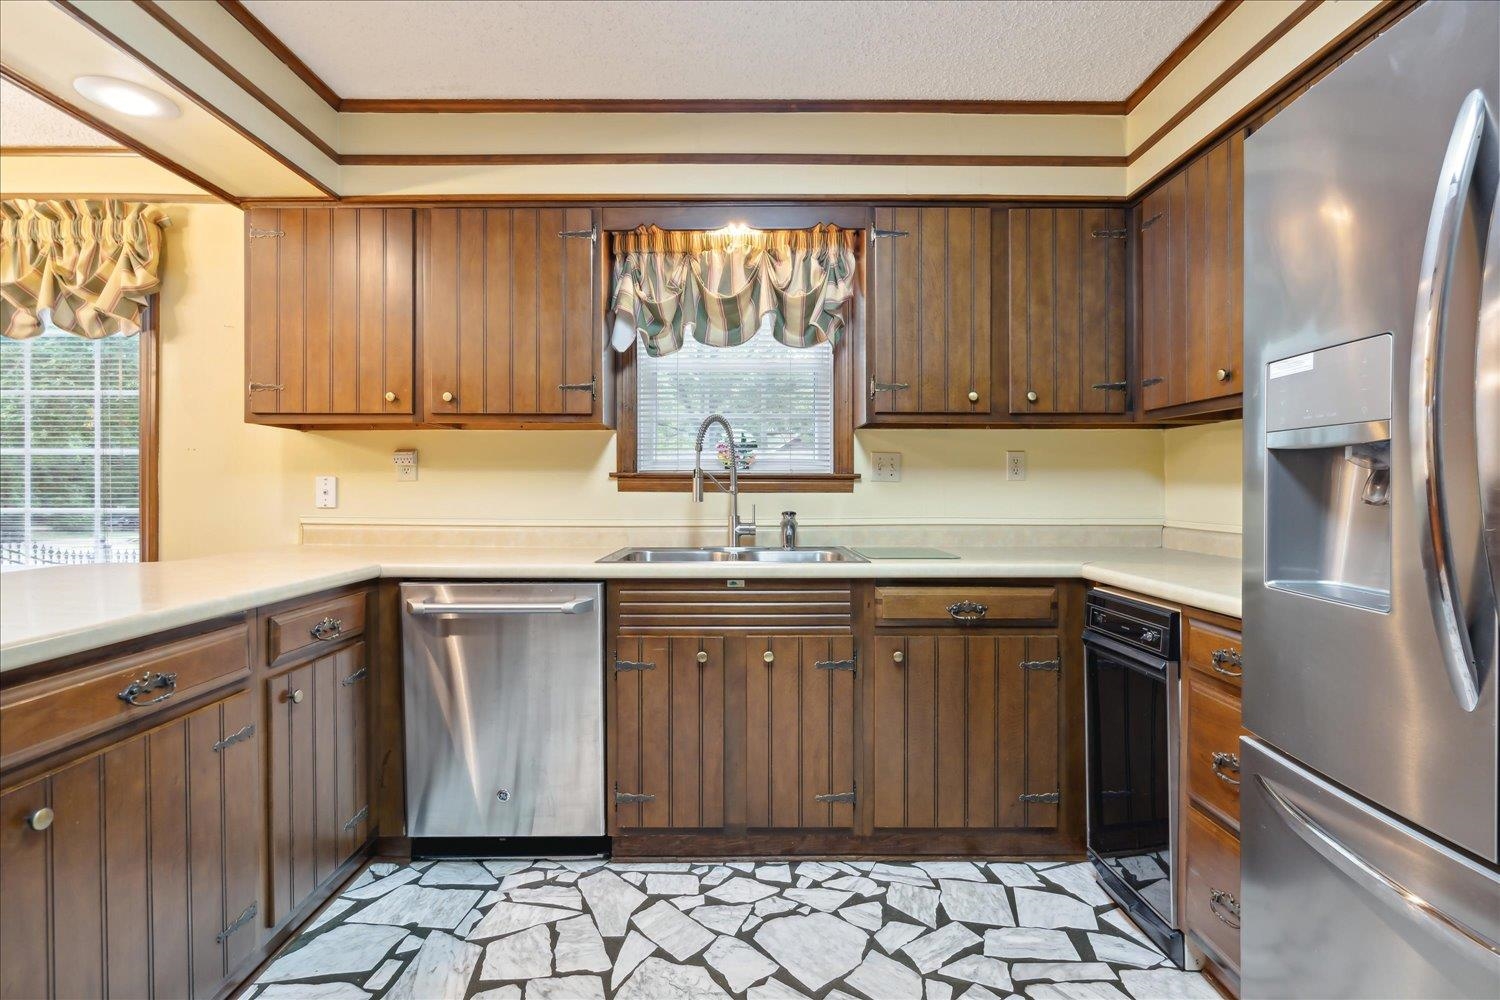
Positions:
{"x": 126, "y": 97}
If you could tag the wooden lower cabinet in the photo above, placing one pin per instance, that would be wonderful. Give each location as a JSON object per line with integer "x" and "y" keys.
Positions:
{"x": 134, "y": 871}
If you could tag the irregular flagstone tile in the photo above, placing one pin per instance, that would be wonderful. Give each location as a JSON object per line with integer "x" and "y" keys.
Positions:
{"x": 724, "y": 919}
{"x": 1113, "y": 948}
{"x": 333, "y": 909}
{"x": 565, "y": 878}
{"x": 660, "y": 866}
{"x": 804, "y": 909}
{"x": 744, "y": 866}
{"x": 914, "y": 901}
{"x": 499, "y": 869}
{"x": 840, "y": 995}
{"x": 633, "y": 951}
{"x": 511, "y": 992}
{"x": 383, "y": 975}
{"x": 442, "y": 968}
{"x": 380, "y": 869}
{"x": 739, "y": 964}
{"x": 678, "y": 935}
{"x": 881, "y": 978}
{"x": 774, "y": 873}
{"x": 516, "y": 880}
{"x": 688, "y": 902}
{"x": 1116, "y": 918}
{"x": 978, "y": 992}
{"x": 939, "y": 990}
{"x": 1060, "y": 972}
{"x": 826, "y": 900}
{"x": 380, "y": 887}
{"x": 314, "y": 991}
{"x": 816, "y": 870}
{"x": 773, "y": 905}
{"x": 981, "y": 970}
{"x": 342, "y": 949}
{"x": 523, "y": 955}
{"x": 612, "y": 900}
{"x": 931, "y": 950}
{"x": 658, "y": 979}
{"x": 1029, "y": 942}
{"x": 365, "y": 878}
{"x": 548, "y": 895}
{"x": 967, "y": 871}
{"x": 507, "y": 918}
{"x": 1167, "y": 984}
{"x": 867, "y": 915}
{"x": 804, "y": 882}
{"x": 857, "y": 884}
{"x": 815, "y": 949}
{"x": 741, "y": 890}
{"x": 717, "y": 874}
{"x": 634, "y": 878}
{"x": 1081, "y": 881}
{"x": 895, "y": 934}
{"x": 658, "y": 884}
{"x": 775, "y": 989}
{"x": 976, "y": 903}
{"x": 1037, "y": 908}
{"x": 1075, "y": 991}
{"x": 490, "y": 898}
{"x": 751, "y": 922}
{"x": 1044, "y": 865}
{"x": 883, "y": 872}
{"x": 458, "y": 873}
{"x": 466, "y": 925}
{"x": 408, "y": 944}
{"x": 566, "y": 988}
{"x": 583, "y": 865}
{"x": 579, "y": 947}
{"x": 1015, "y": 874}
{"x": 854, "y": 867}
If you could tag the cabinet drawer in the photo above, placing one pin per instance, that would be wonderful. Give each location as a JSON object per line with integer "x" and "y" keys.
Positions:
{"x": 321, "y": 624}
{"x": 1211, "y": 893}
{"x": 1213, "y": 727}
{"x": 49, "y": 714}
{"x": 966, "y": 606}
{"x": 1213, "y": 649}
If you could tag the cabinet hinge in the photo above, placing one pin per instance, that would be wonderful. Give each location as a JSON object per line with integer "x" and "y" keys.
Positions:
{"x": 851, "y": 664}
{"x": 1110, "y": 234}
{"x": 1052, "y": 665}
{"x": 838, "y": 797}
{"x": 886, "y": 234}
{"x": 634, "y": 665}
{"x": 239, "y": 921}
{"x": 1153, "y": 220}
{"x": 591, "y": 234}
{"x": 257, "y": 233}
{"x": 631, "y": 798}
{"x": 357, "y": 818}
{"x": 589, "y": 387}
{"x": 1111, "y": 386}
{"x": 1052, "y": 797}
{"x": 233, "y": 738}
{"x": 355, "y": 677}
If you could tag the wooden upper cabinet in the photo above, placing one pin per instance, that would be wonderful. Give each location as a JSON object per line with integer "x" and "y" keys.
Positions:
{"x": 1192, "y": 281}
{"x": 510, "y": 316}
{"x": 928, "y": 336}
{"x": 329, "y": 316}
{"x": 1066, "y": 296}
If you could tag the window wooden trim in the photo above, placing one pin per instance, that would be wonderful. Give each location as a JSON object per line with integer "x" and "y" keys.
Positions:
{"x": 149, "y": 437}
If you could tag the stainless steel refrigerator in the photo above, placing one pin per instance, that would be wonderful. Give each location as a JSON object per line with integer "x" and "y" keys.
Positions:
{"x": 1370, "y": 825}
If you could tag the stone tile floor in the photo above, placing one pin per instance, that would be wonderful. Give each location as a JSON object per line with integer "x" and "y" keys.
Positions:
{"x": 846, "y": 930}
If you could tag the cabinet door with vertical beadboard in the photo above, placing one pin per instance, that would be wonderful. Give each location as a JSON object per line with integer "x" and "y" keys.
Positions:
{"x": 1067, "y": 310}
{"x": 509, "y": 315}
{"x": 929, "y": 313}
{"x": 352, "y": 791}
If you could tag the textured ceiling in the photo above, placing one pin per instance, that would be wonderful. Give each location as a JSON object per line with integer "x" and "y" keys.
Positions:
{"x": 27, "y": 121}
{"x": 1012, "y": 50}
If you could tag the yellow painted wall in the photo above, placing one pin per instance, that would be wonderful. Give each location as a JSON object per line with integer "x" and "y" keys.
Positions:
{"x": 1202, "y": 477}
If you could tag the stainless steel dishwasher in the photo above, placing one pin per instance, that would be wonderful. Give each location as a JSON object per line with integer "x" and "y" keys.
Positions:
{"x": 504, "y": 686}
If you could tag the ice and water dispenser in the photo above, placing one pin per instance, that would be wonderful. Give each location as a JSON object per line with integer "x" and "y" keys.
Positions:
{"x": 1328, "y": 474}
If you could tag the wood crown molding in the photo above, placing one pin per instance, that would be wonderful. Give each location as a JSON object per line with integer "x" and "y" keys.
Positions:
{"x": 1179, "y": 54}
{"x": 277, "y": 48}
{"x": 828, "y": 159}
{"x": 66, "y": 151}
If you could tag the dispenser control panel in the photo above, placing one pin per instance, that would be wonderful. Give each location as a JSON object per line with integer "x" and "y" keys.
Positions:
{"x": 1346, "y": 384}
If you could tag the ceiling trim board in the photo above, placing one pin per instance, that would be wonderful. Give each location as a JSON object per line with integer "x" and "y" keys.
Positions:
{"x": 124, "y": 140}
{"x": 1185, "y": 49}
{"x": 656, "y": 200}
{"x": 66, "y": 151}
{"x": 150, "y": 199}
{"x": 88, "y": 22}
{"x": 520, "y": 105}
{"x": 277, "y": 48}
{"x": 802, "y": 159}
{"x": 245, "y": 83}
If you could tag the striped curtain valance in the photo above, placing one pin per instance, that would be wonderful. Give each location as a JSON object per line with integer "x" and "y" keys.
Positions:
{"x": 724, "y": 286}
{"x": 90, "y": 264}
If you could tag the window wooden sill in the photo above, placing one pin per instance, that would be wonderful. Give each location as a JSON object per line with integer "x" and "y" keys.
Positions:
{"x": 682, "y": 482}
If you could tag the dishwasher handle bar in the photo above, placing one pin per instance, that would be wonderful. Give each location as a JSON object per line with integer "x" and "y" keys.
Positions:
{"x": 574, "y": 606}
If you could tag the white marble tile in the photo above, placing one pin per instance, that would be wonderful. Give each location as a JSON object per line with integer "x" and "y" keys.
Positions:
{"x": 507, "y": 918}
{"x": 466, "y": 925}
{"x": 442, "y": 967}
{"x": 936, "y": 989}
{"x": 1167, "y": 984}
{"x": 1060, "y": 972}
{"x": 468, "y": 873}
{"x": 499, "y": 869}
{"x": 724, "y": 919}
{"x": 516, "y": 880}
{"x": 743, "y": 866}
{"x": 667, "y": 866}
{"x": 380, "y": 887}
{"x": 914, "y": 901}
{"x": 1029, "y": 942}
{"x": 634, "y": 878}
{"x": 1116, "y": 918}
{"x": 383, "y": 975}
{"x": 658, "y": 979}
{"x": 881, "y": 978}
{"x": 524, "y": 955}
{"x": 634, "y": 950}
{"x": 740, "y": 965}
{"x": 815, "y": 949}
{"x": 333, "y": 909}
{"x": 775, "y": 989}
{"x": 826, "y": 900}
{"x": 816, "y": 870}
{"x": 686, "y": 903}
{"x": 751, "y": 922}
{"x": 931, "y": 950}
{"x": 579, "y": 946}
{"x": 977, "y": 992}
{"x": 740, "y": 890}
{"x": 981, "y": 970}
{"x": 380, "y": 869}
{"x": 717, "y": 874}
{"x": 870, "y": 916}
{"x": 412, "y": 904}
{"x": 1015, "y": 874}
{"x": 678, "y": 935}
{"x": 1075, "y": 991}
{"x": 314, "y": 991}
{"x": 565, "y": 878}
{"x": 511, "y": 992}
{"x": 1081, "y": 881}
{"x": 582, "y": 866}
{"x": 774, "y": 873}
{"x": 773, "y": 905}
{"x": 662, "y": 884}
{"x": 346, "y": 948}
{"x": 612, "y": 900}
{"x": 547, "y": 895}
{"x": 895, "y": 934}
{"x": 1039, "y": 908}
{"x": 408, "y": 944}
{"x": 883, "y": 872}
{"x": 967, "y": 871}
{"x": 566, "y": 988}
{"x": 976, "y": 903}
{"x": 860, "y": 885}
{"x": 1113, "y": 948}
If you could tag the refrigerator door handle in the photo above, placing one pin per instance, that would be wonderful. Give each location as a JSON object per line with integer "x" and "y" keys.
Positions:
{"x": 1443, "y": 233}
{"x": 1374, "y": 881}
{"x": 1487, "y": 399}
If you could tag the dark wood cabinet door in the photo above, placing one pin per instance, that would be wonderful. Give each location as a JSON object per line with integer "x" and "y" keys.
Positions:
{"x": 799, "y": 723}
{"x": 968, "y": 732}
{"x": 26, "y": 892}
{"x": 1067, "y": 310}
{"x": 351, "y": 743}
{"x": 667, "y": 730}
{"x": 929, "y": 313}
{"x": 509, "y": 314}
{"x": 329, "y": 312}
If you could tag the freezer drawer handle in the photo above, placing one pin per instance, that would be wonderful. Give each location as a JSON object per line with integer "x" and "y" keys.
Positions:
{"x": 575, "y": 606}
{"x": 1376, "y": 882}
{"x": 1224, "y": 906}
{"x": 1226, "y": 762}
{"x": 1227, "y": 657}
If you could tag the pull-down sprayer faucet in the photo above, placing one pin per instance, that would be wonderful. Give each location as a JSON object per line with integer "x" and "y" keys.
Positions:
{"x": 737, "y": 529}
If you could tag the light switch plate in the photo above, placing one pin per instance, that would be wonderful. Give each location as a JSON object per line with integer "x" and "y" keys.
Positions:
{"x": 887, "y": 466}
{"x": 406, "y": 465}
{"x": 1015, "y": 466}
{"x": 325, "y": 491}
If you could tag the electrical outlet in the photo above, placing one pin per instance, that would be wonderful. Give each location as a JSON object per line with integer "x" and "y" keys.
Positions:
{"x": 1015, "y": 466}
{"x": 325, "y": 491}
{"x": 887, "y": 466}
{"x": 406, "y": 466}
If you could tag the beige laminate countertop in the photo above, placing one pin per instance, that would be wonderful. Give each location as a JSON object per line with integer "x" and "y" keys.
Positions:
{"x": 57, "y": 611}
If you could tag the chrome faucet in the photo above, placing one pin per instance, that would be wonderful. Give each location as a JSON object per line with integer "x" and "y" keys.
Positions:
{"x": 789, "y": 529}
{"x": 737, "y": 529}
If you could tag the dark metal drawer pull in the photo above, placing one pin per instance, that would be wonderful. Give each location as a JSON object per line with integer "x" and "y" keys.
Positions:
{"x": 327, "y": 630}
{"x": 1224, "y": 906}
{"x": 233, "y": 738}
{"x": 836, "y": 797}
{"x": 1053, "y": 665}
{"x": 631, "y": 798}
{"x": 967, "y": 611}
{"x": 634, "y": 665}
{"x": 357, "y": 818}
{"x": 239, "y": 921}
{"x": 1226, "y": 762}
{"x": 149, "y": 682}
{"x": 1229, "y": 657}
{"x": 355, "y": 677}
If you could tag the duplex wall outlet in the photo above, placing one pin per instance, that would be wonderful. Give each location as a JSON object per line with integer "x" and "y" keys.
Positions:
{"x": 887, "y": 466}
{"x": 1015, "y": 466}
{"x": 406, "y": 466}
{"x": 325, "y": 491}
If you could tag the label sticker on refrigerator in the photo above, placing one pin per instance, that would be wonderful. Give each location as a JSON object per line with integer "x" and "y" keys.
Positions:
{"x": 1290, "y": 366}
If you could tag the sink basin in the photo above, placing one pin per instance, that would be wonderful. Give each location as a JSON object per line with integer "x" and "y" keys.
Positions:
{"x": 710, "y": 555}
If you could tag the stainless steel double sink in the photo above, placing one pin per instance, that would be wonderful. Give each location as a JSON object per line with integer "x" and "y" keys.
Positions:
{"x": 834, "y": 554}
